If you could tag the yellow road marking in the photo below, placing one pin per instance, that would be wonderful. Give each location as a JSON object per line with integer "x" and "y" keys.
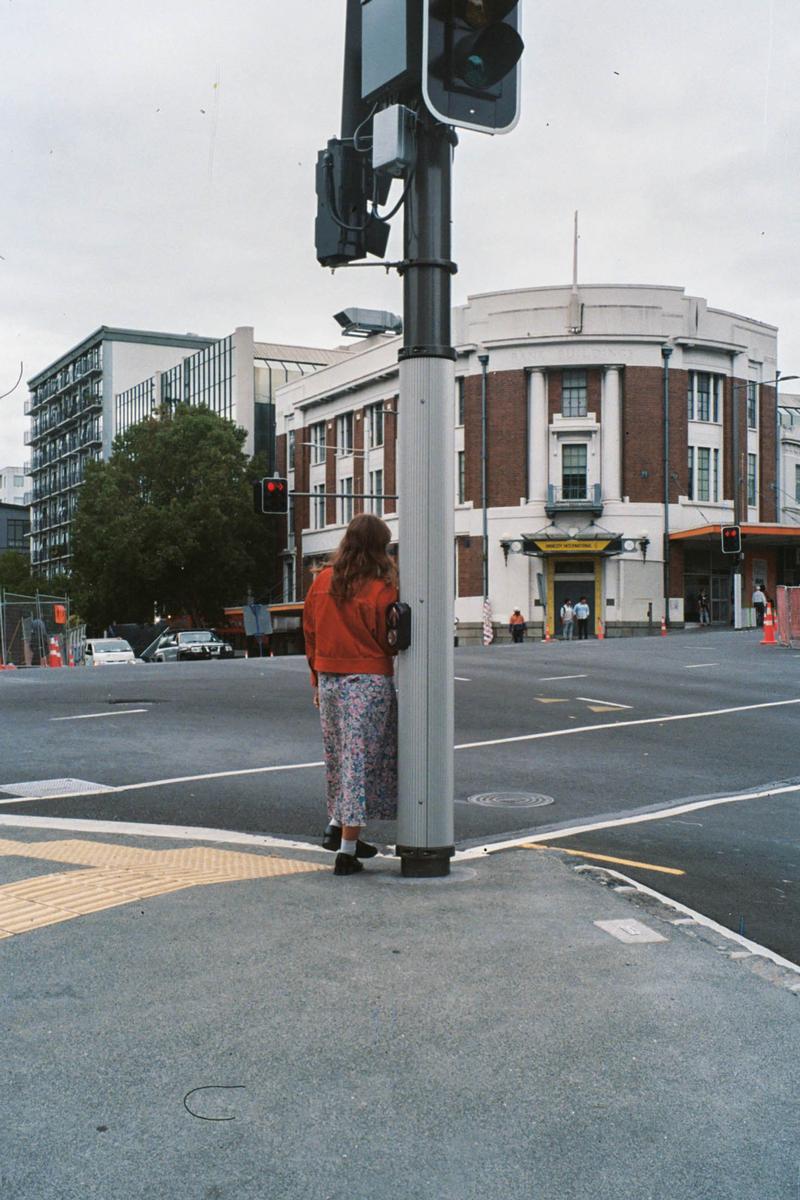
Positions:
{"x": 604, "y": 708}
{"x": 623, "y": 862}
{"x": 114, "y": 875}
{"x": 549, "y": 700}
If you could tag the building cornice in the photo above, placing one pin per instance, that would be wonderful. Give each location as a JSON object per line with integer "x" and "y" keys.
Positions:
{"x": 107, "y": 333}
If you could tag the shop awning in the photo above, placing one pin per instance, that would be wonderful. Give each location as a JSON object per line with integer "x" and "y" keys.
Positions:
{"x": 752, "y": 535}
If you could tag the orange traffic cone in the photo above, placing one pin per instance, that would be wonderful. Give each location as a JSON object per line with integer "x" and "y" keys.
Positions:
{"x": 600, "y": 634}
{"x": 70, "y": 656}
{"x": 769, "y": 628}
{"x": 54, "y": 655}
{"x": 547, "y": 637}
{"x": 663, "y": 626}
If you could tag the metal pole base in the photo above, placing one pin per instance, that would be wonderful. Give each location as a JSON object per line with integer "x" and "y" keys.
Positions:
{"x": 419, "y": 863}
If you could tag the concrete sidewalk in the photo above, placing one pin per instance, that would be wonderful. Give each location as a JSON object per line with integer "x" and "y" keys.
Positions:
{"x": 371, "y": 1037}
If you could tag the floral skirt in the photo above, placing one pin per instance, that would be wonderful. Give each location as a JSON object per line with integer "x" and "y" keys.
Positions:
{"x": 359, "y": 734}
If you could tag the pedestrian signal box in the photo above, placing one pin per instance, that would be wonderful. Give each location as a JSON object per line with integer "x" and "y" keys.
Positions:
{"x": 731, "y": 536}
{"x": 271, "y": 496}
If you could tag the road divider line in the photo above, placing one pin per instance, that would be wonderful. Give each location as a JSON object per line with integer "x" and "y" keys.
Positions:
{"x": 697, "y": 666}
{"x": 605, "y": 703}
{"x": 553, "y": 678}
{"x": 622, "y": 862}
{"x": 525, "y": 737}
{"x": 122, "y": 712}
{"x": 151, "y": 783}
{"x": 601, "y": 725}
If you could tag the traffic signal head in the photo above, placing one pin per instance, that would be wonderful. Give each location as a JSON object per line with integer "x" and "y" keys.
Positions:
{"x": 470, "y": 55}
{"x": 271, "y": 496}
{"x": 731, "y": 538}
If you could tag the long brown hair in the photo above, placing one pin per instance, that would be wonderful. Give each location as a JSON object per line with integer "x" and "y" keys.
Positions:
{"x": 361, "y": 555}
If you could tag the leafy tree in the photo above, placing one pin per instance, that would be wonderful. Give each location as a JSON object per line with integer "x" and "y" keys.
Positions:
{"x": 15, "y": 573}
{"x": 168, "y": 521}
{"x": 16, "y": 576}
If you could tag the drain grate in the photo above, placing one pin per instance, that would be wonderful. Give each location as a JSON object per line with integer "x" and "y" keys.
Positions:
{"x": 52, "y": 787}
{"x": 510, "y": 800}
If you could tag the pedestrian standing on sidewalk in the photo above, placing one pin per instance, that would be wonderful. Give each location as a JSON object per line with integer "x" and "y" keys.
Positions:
{"x": 344, "y": 624}
{"x": 703, "y": 609}
{"x": 582, "y": 617}
{"x": 517, "y": 626}
{"x": 567, "y": 619}
{"x": 759, "y": 604}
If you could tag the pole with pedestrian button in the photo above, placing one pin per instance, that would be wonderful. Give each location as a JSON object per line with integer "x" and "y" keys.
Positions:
{"x": 426, "y": 452}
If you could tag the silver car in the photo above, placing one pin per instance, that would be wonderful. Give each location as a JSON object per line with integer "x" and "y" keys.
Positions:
{"x": 190, "y": 645}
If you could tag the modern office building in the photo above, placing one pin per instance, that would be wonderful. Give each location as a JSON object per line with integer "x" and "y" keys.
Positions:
{"x": 14, "y": 483}
{"x": 585, "y": 493}
{"x": 72, "y": 422}
{"x": 235, "y": 377}
{"x": 15, "y": 526}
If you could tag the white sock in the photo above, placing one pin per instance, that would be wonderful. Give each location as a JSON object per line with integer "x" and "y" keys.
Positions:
{"x": 348, "y": 847}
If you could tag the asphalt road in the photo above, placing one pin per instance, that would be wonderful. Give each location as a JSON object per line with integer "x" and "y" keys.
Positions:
{"x": 555, "y": 737}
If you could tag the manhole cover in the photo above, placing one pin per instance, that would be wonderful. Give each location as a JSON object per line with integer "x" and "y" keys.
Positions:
{"x": 510, "y": 800}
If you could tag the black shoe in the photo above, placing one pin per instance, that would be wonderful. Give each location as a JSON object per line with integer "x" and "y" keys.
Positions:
{"x": 332, "y": 837}
{"x": 346, "y": 864}
{"x": 332, "y": 840}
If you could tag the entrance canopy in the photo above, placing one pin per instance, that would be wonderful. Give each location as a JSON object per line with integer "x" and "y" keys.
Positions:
{"x": 552, "y": 540}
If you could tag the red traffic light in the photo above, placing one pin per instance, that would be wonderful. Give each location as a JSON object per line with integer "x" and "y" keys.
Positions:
{"x": 731, "y": 539}
{"x": 272, "y": 496}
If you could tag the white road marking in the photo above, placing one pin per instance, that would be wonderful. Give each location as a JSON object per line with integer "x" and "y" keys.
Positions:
{"x": 693, "y": 716}
{"x": 552, "y": 678}
{"x": 149, "y": 783}
{"x": 607, "y": 703}
{"x": 461, "y": 679}
{"x": 635, "y": 819}
{"x": 122, "y": 712}
{"x": 696, "y": 666}
{"x": 525, "y": 737}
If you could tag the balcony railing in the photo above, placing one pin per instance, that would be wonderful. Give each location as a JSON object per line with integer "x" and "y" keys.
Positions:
{"x": 574, "y": 497}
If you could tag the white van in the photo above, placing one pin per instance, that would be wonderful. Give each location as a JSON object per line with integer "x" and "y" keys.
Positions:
{"x": 105, "y": 652}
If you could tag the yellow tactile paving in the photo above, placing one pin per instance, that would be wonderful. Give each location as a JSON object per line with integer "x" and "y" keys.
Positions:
{"x": 118, "y": 875}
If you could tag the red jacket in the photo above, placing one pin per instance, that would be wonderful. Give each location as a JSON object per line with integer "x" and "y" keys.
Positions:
{"x": 347, "y": 638}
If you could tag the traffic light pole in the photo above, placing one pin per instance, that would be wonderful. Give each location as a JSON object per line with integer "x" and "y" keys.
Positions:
{"x": 426, "y": 485}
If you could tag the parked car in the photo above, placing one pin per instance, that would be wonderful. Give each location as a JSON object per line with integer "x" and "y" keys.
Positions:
{"x": 189, "y": 645}
{"x": 106, "y": 652}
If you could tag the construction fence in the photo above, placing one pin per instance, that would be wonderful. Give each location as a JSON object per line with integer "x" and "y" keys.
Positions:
{"x": 787, "y": 612}
{"x": 35, "y": 631}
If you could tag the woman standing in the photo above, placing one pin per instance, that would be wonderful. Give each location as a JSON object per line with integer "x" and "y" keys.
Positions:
{"x": 344, "y": 623}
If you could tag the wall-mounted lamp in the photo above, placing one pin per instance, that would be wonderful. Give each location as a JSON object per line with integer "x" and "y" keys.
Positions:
{"x": 510, "y": 545}
{"x": 644, "y": 542}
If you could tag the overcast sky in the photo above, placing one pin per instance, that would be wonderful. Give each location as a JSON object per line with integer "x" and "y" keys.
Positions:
{"x": 157, "y": 167}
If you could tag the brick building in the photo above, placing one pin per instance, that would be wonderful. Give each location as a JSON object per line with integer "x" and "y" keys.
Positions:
{"x": 577, "y": 388}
